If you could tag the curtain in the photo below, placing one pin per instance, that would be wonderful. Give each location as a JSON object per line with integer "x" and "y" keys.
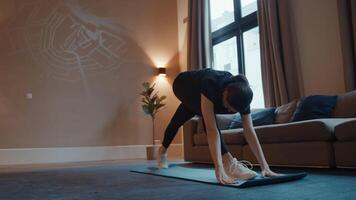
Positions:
{"x": 199, "y": 35}
{"x": 279, "y": 73}
{"x": 347, "y": 17}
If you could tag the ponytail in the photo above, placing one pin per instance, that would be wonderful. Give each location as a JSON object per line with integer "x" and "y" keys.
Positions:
{"x": 239, "y": 93}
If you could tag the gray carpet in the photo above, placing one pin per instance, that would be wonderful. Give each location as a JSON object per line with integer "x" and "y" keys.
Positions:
{"x": 205, "y": 174}
{"x": 117, "y": 182}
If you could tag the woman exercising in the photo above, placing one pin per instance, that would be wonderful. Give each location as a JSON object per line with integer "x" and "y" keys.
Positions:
{"x": 208, "y": 92}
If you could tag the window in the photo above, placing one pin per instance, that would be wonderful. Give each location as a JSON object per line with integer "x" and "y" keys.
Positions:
{"x": 235, "y": 39}
{"x": 225, "y": 57}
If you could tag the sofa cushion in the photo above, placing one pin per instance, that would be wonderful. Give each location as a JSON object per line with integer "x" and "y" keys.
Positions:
{"x": 284, "y": 113}
{"x": 259, "y": 117}
{"x": 346, "y": 105}
{"x": 233, "y": 136}
{"x": 310, "y": 130}
{"x": 314, "y": 107}
{"x": 346, "y": 131}
{"x": 200, "y": 125}
{"x": 304, "y": 131}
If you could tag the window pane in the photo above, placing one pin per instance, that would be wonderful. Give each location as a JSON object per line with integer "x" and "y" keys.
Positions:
{"x": 221, "y": 13}
{"x": 253, "y": 66}
{"x": 225, "y": 56}
{"x": 248, "y": 7}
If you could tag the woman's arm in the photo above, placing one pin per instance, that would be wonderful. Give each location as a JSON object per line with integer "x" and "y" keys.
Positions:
{"x": 207, "y": 108}
{"x": 255, "y": 146}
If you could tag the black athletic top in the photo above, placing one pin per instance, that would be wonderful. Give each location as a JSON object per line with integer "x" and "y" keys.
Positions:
{"x": 189, "y": 85}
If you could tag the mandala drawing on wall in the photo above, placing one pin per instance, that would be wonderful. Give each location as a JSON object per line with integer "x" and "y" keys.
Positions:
{"x": 65, "y": 39}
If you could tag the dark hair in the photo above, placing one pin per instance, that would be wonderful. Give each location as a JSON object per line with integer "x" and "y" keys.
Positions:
{"x": 239, "y": 93}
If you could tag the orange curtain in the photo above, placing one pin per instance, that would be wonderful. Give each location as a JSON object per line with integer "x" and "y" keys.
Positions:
{"x": 347, "y": 17}
{"x": 279, "y": 73}
{"x": 199, "y": 35}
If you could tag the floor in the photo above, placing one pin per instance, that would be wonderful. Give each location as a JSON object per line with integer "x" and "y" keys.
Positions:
{"x": 113, "y": 180}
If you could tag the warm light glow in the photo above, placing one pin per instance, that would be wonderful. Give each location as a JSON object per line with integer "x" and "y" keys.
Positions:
{"x": 161, "y": 65}
{"x": 162, "y": 82}
{"x": 162, "y": 71}
{"x": 161, "y": 62}
{"x": 160, "y": 57}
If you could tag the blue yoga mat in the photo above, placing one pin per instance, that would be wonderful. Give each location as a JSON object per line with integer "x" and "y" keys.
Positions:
{"x": 205, "y": 174}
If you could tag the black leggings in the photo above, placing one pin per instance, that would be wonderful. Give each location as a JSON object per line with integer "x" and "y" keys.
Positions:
{"x": 182, "y": 115}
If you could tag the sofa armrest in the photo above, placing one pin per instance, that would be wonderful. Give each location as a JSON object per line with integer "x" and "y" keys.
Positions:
{"x": 189, "y": 129}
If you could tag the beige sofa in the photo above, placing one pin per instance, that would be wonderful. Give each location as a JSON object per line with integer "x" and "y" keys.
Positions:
{"x": 323, "y": 143}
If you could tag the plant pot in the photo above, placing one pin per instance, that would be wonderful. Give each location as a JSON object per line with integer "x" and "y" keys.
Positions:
{"x": 152, "y": 152}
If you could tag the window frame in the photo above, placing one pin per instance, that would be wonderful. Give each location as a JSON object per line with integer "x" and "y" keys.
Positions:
{"x": 236, "y": 28}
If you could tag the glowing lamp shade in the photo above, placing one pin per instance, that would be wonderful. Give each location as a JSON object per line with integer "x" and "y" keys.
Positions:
{"x": 162, "y": 71}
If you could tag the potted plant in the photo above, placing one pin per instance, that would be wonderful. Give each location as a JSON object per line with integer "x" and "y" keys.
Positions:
{"x": 152, "y": 103}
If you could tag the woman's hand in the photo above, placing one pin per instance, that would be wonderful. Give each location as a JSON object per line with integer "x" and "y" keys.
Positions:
{"x": 222, "y": 177}
{"x": 269, "y": 173}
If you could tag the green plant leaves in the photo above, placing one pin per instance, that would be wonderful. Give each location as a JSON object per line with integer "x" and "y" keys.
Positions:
{"x": 146, "y": 85}
{"x": 145, "y": 109}
{"x": 151, "y": 104}
{"x": 162, "y": 98}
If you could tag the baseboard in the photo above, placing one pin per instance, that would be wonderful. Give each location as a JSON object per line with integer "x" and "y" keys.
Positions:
{"x": 23, "y": 156}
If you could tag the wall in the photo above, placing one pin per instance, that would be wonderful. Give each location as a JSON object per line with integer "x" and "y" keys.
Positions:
{"x": 83, "y": 62}
{"x": 318, "y": 46}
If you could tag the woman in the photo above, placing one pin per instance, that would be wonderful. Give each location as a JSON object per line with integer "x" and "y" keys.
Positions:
{"x": 208, "y": 92}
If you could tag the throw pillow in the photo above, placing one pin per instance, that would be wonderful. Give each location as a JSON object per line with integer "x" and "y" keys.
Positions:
{"x": 346, "y": 105}
{"x": 259, "y": 118}
{"x": 224, "y": 120}
{"x": 314, "y": 107}
{"x": 285, "y": 112}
